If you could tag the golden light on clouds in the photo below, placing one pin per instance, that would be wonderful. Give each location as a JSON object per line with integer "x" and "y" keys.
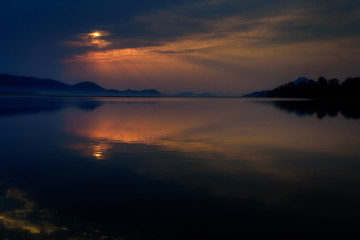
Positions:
{"x": 92, "y": 39}
{"x": 186, "y": 47}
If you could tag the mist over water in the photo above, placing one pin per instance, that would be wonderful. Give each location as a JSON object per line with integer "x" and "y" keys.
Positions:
{"x": 158, "y": 168}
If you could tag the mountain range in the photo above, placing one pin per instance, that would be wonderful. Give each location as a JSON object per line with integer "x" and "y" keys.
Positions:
{"x": 17, "y": 85}
{"x": 30, "y": 86}
{"x": 300, "y": 88}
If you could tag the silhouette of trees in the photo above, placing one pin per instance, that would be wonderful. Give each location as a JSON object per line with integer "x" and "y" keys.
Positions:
{"x": 322, "y": 88}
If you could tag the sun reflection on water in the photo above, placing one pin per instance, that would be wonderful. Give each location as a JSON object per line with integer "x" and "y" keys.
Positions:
{"x": 101, "y": 150}
{"x": 197, "y": 127}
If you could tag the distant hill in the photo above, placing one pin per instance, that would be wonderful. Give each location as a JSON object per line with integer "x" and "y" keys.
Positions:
{"x": 136, "y": 93}
{"x": 260, "y": 94}
{"x": 195, "y": 95}
{"x": 16, "y": 85}
{"x": 308, "y": 88}
{"x": 88, "y": 86}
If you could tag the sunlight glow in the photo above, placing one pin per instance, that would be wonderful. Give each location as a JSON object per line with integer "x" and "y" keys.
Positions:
{"x": 99, "y": 151}
{"x": 93, "y": 39}
{"x": 95, "y": 34}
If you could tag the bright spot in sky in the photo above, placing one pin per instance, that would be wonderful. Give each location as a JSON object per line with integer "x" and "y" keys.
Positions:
{"x": 95, "y": 34}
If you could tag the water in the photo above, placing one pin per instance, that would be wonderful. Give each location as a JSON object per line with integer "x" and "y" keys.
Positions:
{"x": 143, "y": 168}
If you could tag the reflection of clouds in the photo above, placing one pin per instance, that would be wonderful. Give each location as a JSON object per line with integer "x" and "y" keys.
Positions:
{"x": 137, "y": 129}
{"x": 225, "y": 137}
{"x": 39, "y": 222}
{"x": 21, "y": 196}
{"x": 22, "y": 218}
{"x": 207, "y": 128}
{"x": 117, "y": 134}
{"x": 15, "y": 223}
{"x": 99, "y": 150}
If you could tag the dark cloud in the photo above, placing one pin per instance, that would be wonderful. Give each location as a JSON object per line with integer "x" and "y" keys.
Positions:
{"x": 287, "y": 21}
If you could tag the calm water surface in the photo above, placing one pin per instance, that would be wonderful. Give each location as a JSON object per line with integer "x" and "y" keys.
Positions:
{"x": 142, "y": 168}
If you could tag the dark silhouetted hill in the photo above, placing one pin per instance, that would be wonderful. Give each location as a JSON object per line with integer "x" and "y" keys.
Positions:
{"x": 307, "y": 88}
{"x": 16, "y": 85}
{"x": 195, "y": 95}
{"x": 135, "y": 93}
{"x": 301, "y": 80}
{"x": 30, "y": 84}
{"x": 259, "y": 94}
{"x": 88, "y": 86}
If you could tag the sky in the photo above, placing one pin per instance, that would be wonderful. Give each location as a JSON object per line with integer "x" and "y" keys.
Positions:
{"x": 218, "y": 46}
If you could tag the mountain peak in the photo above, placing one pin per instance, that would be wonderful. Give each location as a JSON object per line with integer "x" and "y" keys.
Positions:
{"x": 88, "y": 86}
{"x": 301, "y": 80}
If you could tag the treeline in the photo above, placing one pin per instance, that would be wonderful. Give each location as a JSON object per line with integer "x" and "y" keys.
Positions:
{"x": 322, "y": 88}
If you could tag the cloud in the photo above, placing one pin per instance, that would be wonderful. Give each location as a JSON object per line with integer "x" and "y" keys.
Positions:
{"x": 143, "y": 53}
{"x": 248, "y": 40}
{"x": 93, "y": 39}
{"x": 278, "y": 22}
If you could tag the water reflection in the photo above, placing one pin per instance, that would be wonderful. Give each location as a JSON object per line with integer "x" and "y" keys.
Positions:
{"x": 349, "y": 109}
{"x": 136, "y": 168}
{"x": 25, "y": 215}
{"x": 217, "y": 138}
{"x": 31, "y": 105}
{"x": 204, "y": 128}
{"x": 21, "y": 218}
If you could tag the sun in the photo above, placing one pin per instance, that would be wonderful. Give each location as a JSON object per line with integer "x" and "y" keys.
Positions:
{"x": 95, "y": 34}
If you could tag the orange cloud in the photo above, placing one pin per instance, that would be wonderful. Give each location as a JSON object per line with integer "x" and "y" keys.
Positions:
{"x": 143, "y": 53}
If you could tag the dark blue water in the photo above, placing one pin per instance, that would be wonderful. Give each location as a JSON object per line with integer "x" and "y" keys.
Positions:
{"x": 142, "y": 168}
